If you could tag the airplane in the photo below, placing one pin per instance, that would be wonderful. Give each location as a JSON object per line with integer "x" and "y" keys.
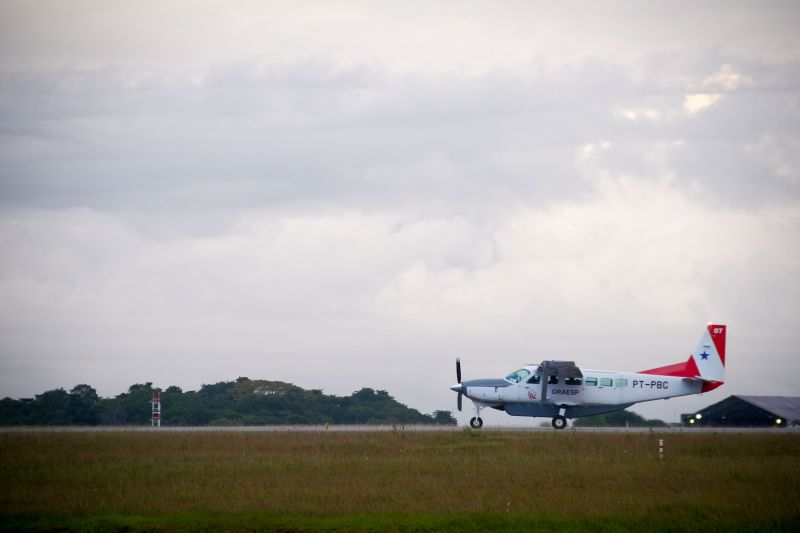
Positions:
{"x": 559, "y": 389}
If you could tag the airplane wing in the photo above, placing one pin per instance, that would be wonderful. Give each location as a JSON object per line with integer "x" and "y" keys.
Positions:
{"x": 555, "y": 367}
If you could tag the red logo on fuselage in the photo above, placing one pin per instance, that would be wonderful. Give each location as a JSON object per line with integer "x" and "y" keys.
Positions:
{"x": 531, "y": 395}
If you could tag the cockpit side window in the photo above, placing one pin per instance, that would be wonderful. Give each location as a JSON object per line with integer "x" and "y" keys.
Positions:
{"x": 536, "y": 379}
{"x": 552, "y": 380}
{"x": 519, "y": 375}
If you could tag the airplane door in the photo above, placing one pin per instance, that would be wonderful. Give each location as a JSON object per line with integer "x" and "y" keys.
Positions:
{"x": 564, "y": 389}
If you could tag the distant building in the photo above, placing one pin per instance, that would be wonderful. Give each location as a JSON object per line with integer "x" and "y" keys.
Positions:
{"x": 748, "y": 411}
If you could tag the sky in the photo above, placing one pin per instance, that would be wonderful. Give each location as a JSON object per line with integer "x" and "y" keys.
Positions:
{"x": 353, "y": 194}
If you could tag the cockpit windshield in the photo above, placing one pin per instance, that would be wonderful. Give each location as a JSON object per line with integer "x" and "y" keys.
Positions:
{"x": 519, "y": 375}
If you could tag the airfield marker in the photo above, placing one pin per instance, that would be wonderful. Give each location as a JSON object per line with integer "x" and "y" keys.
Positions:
{"x": 155, "y": 419}
{"x": 660, "y": 448}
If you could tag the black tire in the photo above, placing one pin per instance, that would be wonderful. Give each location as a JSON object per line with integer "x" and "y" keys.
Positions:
{"x": 476, "y": 422}
{"x": 559, "y": 422}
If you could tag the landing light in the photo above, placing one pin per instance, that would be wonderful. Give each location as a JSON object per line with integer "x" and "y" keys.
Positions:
{"x": 778, "y": 421}
{"x": 691, "y": 420}
{"x": 698, "y": 416}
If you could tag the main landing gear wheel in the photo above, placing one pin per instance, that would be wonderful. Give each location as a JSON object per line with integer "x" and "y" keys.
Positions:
{"x": 476, "y": 422}
{"x": 559, "y": 422}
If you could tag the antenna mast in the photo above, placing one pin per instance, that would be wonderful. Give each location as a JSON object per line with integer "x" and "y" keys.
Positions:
{"x": 155, "y": 419}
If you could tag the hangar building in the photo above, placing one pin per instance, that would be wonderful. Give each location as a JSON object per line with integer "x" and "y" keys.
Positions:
{"x": 748, "y": 411}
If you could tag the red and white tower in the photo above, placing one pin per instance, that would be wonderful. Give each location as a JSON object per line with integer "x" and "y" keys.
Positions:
{"x": 155, "y": 419}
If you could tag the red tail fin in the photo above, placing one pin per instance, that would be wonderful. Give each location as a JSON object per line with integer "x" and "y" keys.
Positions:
{"x": 706, "y": 362}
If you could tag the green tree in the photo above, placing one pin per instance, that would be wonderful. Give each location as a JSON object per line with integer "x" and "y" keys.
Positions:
{"x": 83, "y": 405}
{"x": 51, "y": 408}
{"x": 243, "y": 401}
{"x": 14, "y": 412}
{"x": 444, "y": 418}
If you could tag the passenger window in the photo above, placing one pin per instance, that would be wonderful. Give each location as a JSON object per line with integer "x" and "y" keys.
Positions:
{"x": 605, "y": 382}
{"x": 536, "y": 379}
{"x": 621, "y": 383}
{"x": 552, "y": 380}
{"x": 591, "y": 382}
{"x": 573, "y": 381}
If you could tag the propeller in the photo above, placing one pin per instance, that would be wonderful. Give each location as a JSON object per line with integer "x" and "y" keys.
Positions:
{"x": 458, "y": 378}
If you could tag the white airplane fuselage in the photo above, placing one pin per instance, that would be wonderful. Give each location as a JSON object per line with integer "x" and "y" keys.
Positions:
{"x": 599, "y": 391}
{"x": 562, "y": 390}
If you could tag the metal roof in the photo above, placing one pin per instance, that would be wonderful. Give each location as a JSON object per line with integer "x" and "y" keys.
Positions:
{"x": 786, "y": 407}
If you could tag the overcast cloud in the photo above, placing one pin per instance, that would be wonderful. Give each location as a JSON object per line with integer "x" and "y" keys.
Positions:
{"x": 348, "y": 194}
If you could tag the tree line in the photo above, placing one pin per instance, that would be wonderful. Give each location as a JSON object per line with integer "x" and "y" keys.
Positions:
{"x": 240, "y": 402}
{"x": 619, "y": 419}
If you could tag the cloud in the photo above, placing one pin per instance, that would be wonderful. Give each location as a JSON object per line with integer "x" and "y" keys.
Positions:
{"x": 636, "y": 115}
{"x": 250, "y": 134}
{"x": 782, "y": 155}
{"x": 317, "y": 195}
{"x": 411, "y": 37}
{"x": 373, "y": 297}
{"x": 693, "y": 103}
{"x": 726, "y": 79}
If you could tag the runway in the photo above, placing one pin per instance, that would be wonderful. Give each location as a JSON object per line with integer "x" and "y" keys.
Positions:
{"x": 384, "y": 428}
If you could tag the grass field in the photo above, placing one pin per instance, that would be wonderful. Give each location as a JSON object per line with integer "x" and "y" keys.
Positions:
{"x": 406, "y": 481}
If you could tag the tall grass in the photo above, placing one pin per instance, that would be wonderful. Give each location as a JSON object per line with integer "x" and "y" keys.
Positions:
{"x": 720, "y": 479}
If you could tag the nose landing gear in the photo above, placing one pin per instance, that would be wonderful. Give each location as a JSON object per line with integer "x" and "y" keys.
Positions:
{"x": 476, "y": 422}
{"x": 559, "y": 422}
